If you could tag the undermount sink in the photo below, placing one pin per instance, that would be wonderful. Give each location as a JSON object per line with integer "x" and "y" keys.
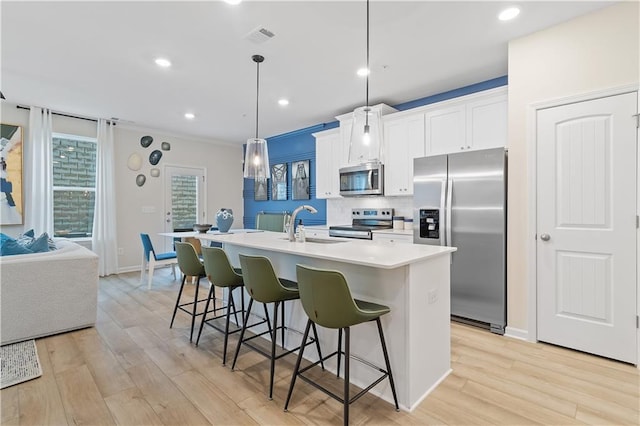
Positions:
{"x": 320, "y": 240}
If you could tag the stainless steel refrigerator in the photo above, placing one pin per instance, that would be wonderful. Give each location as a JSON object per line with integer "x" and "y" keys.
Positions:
{"x": 460, "y": 201}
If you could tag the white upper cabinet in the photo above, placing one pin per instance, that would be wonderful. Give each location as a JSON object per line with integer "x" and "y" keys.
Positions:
{"x": 445, "y": 130}
{"x": 477, "y": 121}
{"x": 404, "y": 141}
{"x": 487, "y": 123}
{"x": 329, "y": 159}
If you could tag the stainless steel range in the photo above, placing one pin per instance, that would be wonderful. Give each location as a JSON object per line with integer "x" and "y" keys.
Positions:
{"x": 363, "y": 223}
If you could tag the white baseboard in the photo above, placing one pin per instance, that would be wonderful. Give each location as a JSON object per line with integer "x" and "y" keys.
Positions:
{"x": 129, "y": 269}
{"x": 516, "y": 333}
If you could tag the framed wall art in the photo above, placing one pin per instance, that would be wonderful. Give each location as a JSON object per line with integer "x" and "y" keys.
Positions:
{"x": 300, "y": 180}
{"x": 279, "y": 181}
{"x": 260, "y": 189}
{"x": 11, "y": 203}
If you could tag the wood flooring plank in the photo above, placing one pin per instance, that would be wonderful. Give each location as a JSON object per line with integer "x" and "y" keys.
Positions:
{"x": 9, "y": 406}
{"x": 81, "y": 398}
{"x": 130, "y": 408}
{"x": 212, "y": 403}
{"x": 63, "y": 352}
{"x": 40, "y": 401}
{"x": 107, "y": 372}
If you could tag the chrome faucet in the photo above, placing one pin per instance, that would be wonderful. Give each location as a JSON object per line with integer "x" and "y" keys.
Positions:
{"x": 292, "y": 219}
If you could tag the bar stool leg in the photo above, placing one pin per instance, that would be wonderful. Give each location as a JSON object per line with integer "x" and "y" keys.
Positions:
{"x": 177, "y": 302}
{"x": 230, "y": 303}
{"x": 195, "y": 308}
{"x": 274, "y": 336}
{"x": 339, "y": 350}
{"x": 244, "y": 328}
{"x": 347, "y": 352}
{"x": 206, "y": 309}
{"x": 386, "y": 360}
{"x": 315, "y": 333}
{"x": 282, "y": 321}
{"x": 297, "y": 367}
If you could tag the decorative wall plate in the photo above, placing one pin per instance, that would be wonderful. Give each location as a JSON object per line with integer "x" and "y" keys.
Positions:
{"x": 145, "y": 141}
{"x": 134, "y": 162}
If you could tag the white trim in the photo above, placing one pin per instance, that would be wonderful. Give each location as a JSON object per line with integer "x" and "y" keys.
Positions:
{"x": 426, "y": 394}
{"x": 531, "y": 131}
{"x": 516, "y": 333}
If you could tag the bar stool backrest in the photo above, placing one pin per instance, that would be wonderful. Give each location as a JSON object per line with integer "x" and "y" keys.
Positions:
{"x": 188, "y": 260}
{"x": 260, "y": 279}
{"x": 326, "y": 298}
{"x": 219, "y": 269}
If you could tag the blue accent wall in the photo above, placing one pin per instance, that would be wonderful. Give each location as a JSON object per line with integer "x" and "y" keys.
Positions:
{"x": 300, "y": 145}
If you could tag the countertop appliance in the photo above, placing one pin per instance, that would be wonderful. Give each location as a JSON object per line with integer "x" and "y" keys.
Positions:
{"x": 460, "y": 201}
{"x": 363, "y": 223}
{"x": 363, "y": 179}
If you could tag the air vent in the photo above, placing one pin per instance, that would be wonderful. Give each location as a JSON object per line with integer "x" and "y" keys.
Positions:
{"x": 259, "y": 35}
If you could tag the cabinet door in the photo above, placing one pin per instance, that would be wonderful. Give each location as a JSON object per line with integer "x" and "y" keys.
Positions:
{"x": 487, "y": 123}
{"x": 404, "y": 141}
{"x": 445, "y": 130}
{"x": 328, "y": 162}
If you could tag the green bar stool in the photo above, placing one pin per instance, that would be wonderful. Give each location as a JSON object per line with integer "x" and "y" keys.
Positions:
{"x": 190, "y": 265}
{"x": 327, "y": 301}
{"x": 264, "y": 286}
{"x": 221, "y": 274}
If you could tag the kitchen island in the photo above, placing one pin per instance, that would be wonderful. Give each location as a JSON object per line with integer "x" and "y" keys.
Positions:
{"x": 413, "y": 280}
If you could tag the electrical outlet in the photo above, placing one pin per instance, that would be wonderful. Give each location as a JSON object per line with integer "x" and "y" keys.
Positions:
{"x": 433, "y": 296}
{"x": 120, "y": 251}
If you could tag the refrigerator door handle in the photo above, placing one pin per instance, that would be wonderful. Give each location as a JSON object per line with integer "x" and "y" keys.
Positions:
{"x": 448, "y": 208}
{"x": 443, "y": 198}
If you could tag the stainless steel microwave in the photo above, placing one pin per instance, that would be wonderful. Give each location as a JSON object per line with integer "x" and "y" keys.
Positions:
{"x": 363, "y": 179}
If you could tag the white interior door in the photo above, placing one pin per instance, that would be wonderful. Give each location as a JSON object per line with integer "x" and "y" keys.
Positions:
{"x": 184, "y": 198}
{"x": 586, "y": 226}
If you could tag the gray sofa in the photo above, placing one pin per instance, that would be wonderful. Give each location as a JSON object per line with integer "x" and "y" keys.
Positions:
{"x": 47, "y": 293}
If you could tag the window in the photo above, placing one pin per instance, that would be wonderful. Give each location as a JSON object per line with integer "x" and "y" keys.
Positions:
{"x": 74, "y": 185}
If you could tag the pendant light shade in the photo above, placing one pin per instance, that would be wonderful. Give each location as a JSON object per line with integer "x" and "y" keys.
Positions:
{"x": 366, "y": 131}
{"x": 256, "y": 158}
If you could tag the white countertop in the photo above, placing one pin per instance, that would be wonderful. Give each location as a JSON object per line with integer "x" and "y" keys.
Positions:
{"x": 384, "y": 254}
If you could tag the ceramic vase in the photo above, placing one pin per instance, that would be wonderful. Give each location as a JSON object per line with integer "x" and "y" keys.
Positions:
{"x": 224, "y": 219}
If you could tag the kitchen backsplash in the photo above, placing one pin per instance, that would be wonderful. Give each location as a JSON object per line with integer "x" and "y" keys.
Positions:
{"x": 339, "y": 209}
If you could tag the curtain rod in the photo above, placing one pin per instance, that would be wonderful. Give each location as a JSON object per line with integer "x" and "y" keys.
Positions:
{"x": 69, "y": 115}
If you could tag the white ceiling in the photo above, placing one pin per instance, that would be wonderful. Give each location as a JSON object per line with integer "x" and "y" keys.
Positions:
{"x": 97, "y": 58}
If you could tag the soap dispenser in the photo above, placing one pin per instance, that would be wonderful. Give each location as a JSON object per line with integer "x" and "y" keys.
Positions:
{"x": 300, "y": 236}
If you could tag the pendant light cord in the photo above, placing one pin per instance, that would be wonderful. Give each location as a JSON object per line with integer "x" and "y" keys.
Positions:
{"x": 368, "y": 70}
{"x": 257, "y": 93}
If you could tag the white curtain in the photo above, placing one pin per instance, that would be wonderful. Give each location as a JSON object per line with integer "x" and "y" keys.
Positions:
{"x": 104, "y": 239}
{"x": 38, "y": 173}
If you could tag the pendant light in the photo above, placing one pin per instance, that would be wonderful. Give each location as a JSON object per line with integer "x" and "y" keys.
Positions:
{"x": 256, "y": 159}
{"x": 366, "y": 131}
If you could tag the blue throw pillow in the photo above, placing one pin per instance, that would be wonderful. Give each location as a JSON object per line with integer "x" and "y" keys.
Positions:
{"x": 29, "y": 233}
{"x": 26, "y": 238}
{"x": 4, "y": 237}
{"x": 40, "y": 244}
{"x": 11, "y": 247}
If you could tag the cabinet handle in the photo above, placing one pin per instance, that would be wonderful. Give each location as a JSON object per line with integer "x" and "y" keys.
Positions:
{"x": 462, "y": 147}
{"x": 468, "y": 147}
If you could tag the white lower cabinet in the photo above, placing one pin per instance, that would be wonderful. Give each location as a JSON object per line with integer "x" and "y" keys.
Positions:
{"x": 329, "y": 159}
{"x": 404, "y": 141}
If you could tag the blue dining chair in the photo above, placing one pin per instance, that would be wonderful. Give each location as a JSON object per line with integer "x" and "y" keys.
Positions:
{"x": 151, "y": 259}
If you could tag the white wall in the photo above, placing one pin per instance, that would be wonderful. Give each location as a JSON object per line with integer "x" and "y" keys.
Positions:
{"x": 222, "y": 163}
{"x": 593, "y": 52}
{"x": 223, "y": 169}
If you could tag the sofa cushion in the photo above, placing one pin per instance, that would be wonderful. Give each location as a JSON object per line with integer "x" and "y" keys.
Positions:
{"x": 25, "y": 244}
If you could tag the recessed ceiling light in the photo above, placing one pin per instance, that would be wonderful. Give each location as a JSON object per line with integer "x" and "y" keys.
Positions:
{"x": 283, "y": 102}
{"x": 163, "y": 62}
{"x": 233, "y": 2}
{"x": 363, "y": 72}
{"x": 189, "y": 115}
{"x": 509, "y": 14}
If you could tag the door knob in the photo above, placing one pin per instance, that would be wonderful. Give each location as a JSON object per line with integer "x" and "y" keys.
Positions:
{"x": 545, "y": 237}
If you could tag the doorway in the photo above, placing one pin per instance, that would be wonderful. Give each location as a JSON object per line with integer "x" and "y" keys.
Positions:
{"x": 586, "y": 226}
{"x": 185, "y": 189}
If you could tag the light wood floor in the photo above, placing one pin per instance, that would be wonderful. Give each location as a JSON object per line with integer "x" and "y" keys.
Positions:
{"x": 131, "y": 369}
